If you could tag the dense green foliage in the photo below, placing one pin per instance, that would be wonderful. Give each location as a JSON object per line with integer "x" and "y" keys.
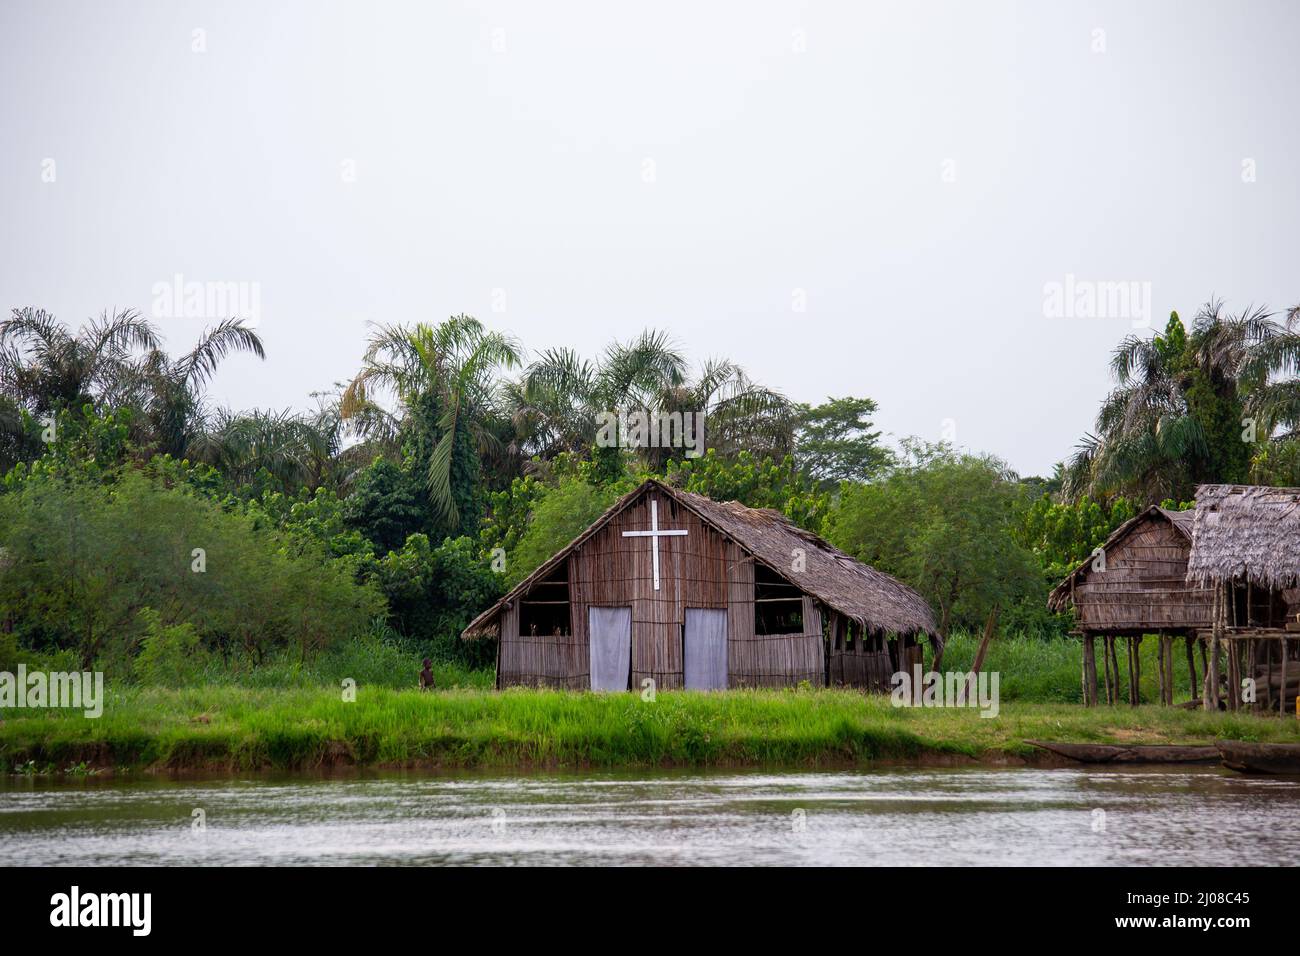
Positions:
{"x": 557, "y": 517}
{"x": 1220, "y": 403}
{"x": 943, "y": 522}
{"x": 836, "y": 442}
{"x": 366, "y": 533}
{"x": 768, "y": 483}
{"x": 104, "y": 569}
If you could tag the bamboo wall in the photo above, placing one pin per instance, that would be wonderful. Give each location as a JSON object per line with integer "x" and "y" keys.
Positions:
{"x": 702, "y": 569}
{"x": 869, "y": 661}
{"x": 773, "y": 660}
{"x": 1144, "y": 587}
{"x": 541, "y": 660}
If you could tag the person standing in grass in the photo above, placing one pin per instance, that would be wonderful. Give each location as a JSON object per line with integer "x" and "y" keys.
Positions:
{"x": 426, "y": 675}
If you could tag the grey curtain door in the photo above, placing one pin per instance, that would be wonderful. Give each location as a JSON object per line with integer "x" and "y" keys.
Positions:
{"x": 705, "y": 651}
{"x": 610, "y": 632}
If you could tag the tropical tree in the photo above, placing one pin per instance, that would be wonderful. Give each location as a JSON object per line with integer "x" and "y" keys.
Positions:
{"x": 45, "y": 367}
{"x": 286, "y": 447}
{"x": 1178, "y": 414}
{"x": 836, "y": 441}
{"x": 561, "y": 398}
{"x": 445, "y": 379}
{"x": 115, "y": 361}
{"x": 170, "y": 391}
{"x": 943, "y": 522}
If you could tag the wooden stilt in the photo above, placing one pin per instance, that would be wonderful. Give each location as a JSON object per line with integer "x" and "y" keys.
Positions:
{"x": 1107, "y": 652}
{"x": 1089, "y": 671}
{"x": 1281, "y": 694}
{"x": 1160, "y": 666}
{"x": 1234, "y": 685}
{"x": 1212, "y": 671}
{"x": 1191, "y": 667}
{"x": 1114, "y": 663}
{"x": 1170, "y": 680}
{"x": 1205, "y": 673}
{"x": 1132, "y": 697}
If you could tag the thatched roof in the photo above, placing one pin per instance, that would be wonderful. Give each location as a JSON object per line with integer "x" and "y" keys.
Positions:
{"x": 873, "y": 599}
{"x": 1182, "y": 522}
{"x": 1248, "y": 533}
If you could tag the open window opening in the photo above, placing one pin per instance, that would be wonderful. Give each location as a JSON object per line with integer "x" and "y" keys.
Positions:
{"x": 544, "y": 610}
{"x": 778, "y": 604}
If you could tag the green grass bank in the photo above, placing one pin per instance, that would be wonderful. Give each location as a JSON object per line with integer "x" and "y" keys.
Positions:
{"x": 232, "y": 728}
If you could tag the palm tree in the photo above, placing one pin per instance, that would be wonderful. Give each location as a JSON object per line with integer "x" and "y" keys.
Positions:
{"x": 116, "y": 361}
{"x": 44, "y": 367}
{"x": 170, "y": 392}
{"x": 1175, "y": 417}
{"x": 561, "y": 396}
{"x": 1271, "y": 374}
{"x": 445, "y": 378}
{"x": 286, "y": 445}
{"x": 736, "y": 413}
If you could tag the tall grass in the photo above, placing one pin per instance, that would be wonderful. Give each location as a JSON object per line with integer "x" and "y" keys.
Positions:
{"x": 242, "y": 728}
{"x": 370, "y": 661}
{"x": 1049, "y": 669}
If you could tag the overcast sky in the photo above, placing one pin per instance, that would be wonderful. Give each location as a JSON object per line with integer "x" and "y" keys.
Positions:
{"x": 845, "y": 198}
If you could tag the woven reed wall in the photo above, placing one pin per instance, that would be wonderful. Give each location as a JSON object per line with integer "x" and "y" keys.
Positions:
{"x": 775, "y": 660}
{"x": 869, "y": 661}
{"x": 1144, "y": 586}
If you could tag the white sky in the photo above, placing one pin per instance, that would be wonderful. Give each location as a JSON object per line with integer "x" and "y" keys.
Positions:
{"x": 523, "y": 169}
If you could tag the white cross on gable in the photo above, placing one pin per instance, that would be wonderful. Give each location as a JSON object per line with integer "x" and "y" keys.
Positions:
{"x": 654, "y": 534}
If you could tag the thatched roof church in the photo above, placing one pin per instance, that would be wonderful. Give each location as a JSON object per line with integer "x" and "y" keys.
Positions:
{"x": 693, "y": 593}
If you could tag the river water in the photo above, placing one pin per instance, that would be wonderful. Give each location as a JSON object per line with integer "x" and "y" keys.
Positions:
{"x": 1123, "y": 817}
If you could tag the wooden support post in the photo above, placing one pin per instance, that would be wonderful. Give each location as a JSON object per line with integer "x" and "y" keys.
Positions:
{"x": 1191, "y": 667}
{"x": 1281, "y": 694}
{"x": 989, "y": 625}
{"x": 1170, "y": 681}
{"x": 1210, "y": 695}
{"x": 1234, "y": 684}
{"x": 1114, "y": 665}
{"x": 1212, "y": 668}
{"x": 1114, "y": 670}
{"x": 1105, "y": 667}
{"x": 1128, "y": 666}
{"x": 1160, "y": 666}
{"x": 1252, "y": 668}
{"x": 1089, "y": 671}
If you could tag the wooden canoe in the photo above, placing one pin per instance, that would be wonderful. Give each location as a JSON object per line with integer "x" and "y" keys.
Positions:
{"x": 1259, "y": 758}
{"x": 1132, "y": 753}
